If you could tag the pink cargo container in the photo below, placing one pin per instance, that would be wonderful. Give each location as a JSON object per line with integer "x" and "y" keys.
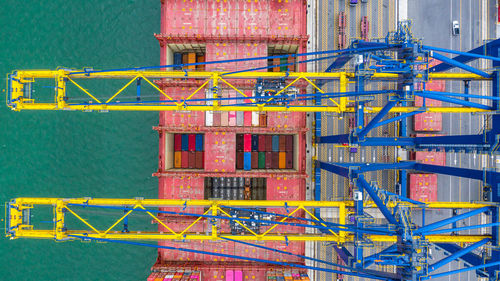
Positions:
{"x": 219, "y": 248}
{"x": 220, "y": 151}
{"x": 232, "y": 114}
{"x": 222, "y": 17}
{"x": 181, "y": 187}
{"x": 428, "y": 121}
{"x": 287, "y": 18}
{"x": 430, "y": 157}
{"x": 283, "y": 188}
{"x": 247, "y": 119}
{"x": 229, "y": 275}
{"x": 419, "y": 101}
{"x": 254, "y": 18}
{"x": 219, "y": 52}
{"x": 183, "y": 17}
{"x": 168, "y": 255}
{"x": 292, "y": 247}
{"x": 286, "y": 120}
{"x": 247, "y": 142}
{"x": 423, "y": 187}
{"x": 252, "y": 50}
{"x": 252, "y": 252}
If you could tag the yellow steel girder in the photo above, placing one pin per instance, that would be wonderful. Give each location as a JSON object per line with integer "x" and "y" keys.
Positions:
{"x": 17, "y": 100}
{"x": 19, "y": 227}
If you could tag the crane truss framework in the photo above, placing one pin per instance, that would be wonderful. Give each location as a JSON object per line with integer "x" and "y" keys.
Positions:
{"x": 18, "y": 224}
{"x": 20, "y": 95}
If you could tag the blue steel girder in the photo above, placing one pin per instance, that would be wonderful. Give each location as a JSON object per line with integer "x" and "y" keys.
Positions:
{"x": 391, "y": 250}
{"x": 344, "y": 254}
{"x": 372, "y": 124}
{"x": 362, "y": 183}
{"x": 470, "y": 258}
{"x": 457, "y": 254}
{"x": 488, "y": 49}
{"x": 429, "y": 94}
{"x": 489, "y": 141}
{"x": 459, "y": 64}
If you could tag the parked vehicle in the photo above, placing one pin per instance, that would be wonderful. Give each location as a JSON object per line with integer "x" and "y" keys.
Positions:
{"x": 455, "y": 28}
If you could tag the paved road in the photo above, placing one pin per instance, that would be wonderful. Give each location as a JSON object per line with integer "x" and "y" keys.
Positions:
{"x": 431, "y": 22}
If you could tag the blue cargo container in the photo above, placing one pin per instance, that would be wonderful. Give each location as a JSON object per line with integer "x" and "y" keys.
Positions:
{"x": 276, "y": 143}
{"x": 255, "y": 142}
{"x": 199, "y": 142}
{"x": 185, "y": 142}
{"x": 177, "y": 60}
{"x": 247, "y": 161}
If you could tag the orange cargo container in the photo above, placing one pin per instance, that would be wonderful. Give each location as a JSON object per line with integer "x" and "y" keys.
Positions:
{"x": 282, "y": 160}
{"x": 177, "y": 159}
{"x": 191, "y": 59}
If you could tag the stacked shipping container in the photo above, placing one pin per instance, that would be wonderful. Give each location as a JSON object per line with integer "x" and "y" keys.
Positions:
{"x": 234, "y": 155}
{"x": 423, "y": 187}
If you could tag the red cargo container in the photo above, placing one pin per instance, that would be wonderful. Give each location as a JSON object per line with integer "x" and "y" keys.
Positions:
{"x": 292, "y": 247}
{"x": 263, "y": 119}
{"x": 436, "y": 85}
{"x": 252, "y": 50}
{"x": 220, "y": 248}
{"x": 289, "y": 160}
{"x": 282, "y": 142}
{"x": 286, "y": 120}
{"x": 239, "y": 142}
{"x": 262, "y": 143}
{"x": 222, "y": 17}
{"x": 220, "y": 151}
{"x": 289, "y": 143}
{"x": 239, "y": 160}
{"x": 275, "y": 160}
{"x": 179, "y": 224}
{"x": 423, "y": 187}
{"x": 247, "y": 142}
{"x": 184, "y": 159}
{"x": 269, "y": 157}
{"x": 255, "y": 160}
{"x": 185, "y": 187}
{"x": 430, "y": 157}
{"x": 232, "y": 114}
{"x": 253, "y": 18}
{"x": 177, "y": 142}
{"x": 191, "y": 142}
{"x": 288, "y": 18}
{"x": 428, "y": 121}
{"x": 191, "y": 159}
{"x": 220, "y": 52}
{"x": 269, "y": 143}
{"x": 283, "y": 188}
{"x": 428, "y": 135}
{"x": 247, "y": 119}
{"x": 183, "y": 17}
{"x": 419, "y": 101}
{"x": 217, "y": 119}
{"x": 200, "y": 160}
{"x": 168, "y": 255}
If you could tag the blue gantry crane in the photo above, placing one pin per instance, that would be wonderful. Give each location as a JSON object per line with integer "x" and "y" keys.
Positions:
{"x": 401, "y": 53}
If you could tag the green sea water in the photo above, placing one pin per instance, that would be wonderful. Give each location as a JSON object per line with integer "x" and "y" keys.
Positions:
{"x": 75, "y": 154}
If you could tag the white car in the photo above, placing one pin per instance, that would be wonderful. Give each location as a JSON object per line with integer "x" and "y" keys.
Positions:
{"x": 455, "y": 28}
